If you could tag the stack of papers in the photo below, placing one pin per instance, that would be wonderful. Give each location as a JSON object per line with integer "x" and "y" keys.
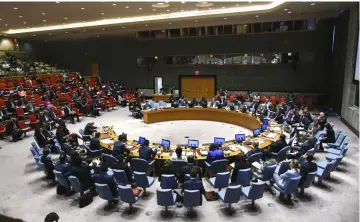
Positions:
{"x": 107, "y": 141}
{"x": 271, "y": 135}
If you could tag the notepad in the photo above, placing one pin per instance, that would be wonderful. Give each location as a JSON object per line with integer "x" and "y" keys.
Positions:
{"x": 256, "y": 165}
{"x": 234, "y": 148}
{"x": 107, "y": 141}
{"x": 204, "y": 153}
{"x": 271, "y": 135}
{"x": 130, "y": 147}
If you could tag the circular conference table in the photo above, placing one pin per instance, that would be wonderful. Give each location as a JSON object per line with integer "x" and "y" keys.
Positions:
{"x": 230, "y": 148}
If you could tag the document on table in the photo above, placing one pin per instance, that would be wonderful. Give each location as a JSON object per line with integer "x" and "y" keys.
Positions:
{"x": 107, "y": 141}
{"x": 271, "y": 135}
{"x": 276, "y": 128}
{"x": 256, "y": 165}
{"x": 243, "y": 149}
{"x": 234, "y": 148}
{"x": 203, "y": 153}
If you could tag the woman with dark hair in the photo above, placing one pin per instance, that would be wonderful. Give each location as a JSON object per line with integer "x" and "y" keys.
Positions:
{"x": 40, "y": 136}
{"x": 166, "y": 169}
{"x": 178, "y": 152}
{"x": 214, "y": 153}
{"x": 240, "y": 164}
{"x": 330, "y": 134}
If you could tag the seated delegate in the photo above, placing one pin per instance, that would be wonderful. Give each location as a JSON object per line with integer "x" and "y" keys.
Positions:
{"x": 194, "y": 183}
{"x": 95, "y": 142}
{"x": 62, "y": 166}
{"x": 240, "y": 164}
{"x": 190, "y": 166}
{"x": 119, "y": 147}
{"x": 214, "y": 153}
{"x": 146, "y": 153}
{"x": 284, "y": 179}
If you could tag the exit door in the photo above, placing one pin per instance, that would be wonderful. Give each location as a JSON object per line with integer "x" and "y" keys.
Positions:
{"x": 158, "y": 84}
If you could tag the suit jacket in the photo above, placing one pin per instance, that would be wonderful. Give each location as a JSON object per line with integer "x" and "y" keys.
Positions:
{"x": 165, "y": 171}
{"x": 305, "y": 147}
{"x": 119, "y": 149}
{"x": 253, "y": 151}
{"x": 122, "y": 166}
{"x": 194, "y": 184}
{"x": 67, "y": 110}
{"x": 95, "y": 144}
{"x": 44, "y": 118}
{"x": 48, "y": 165}
{"x": 306, "y": 168}
{"x": 238, "y": 166}
{"x": 287, "y": 176}
{"x": 64, "y": 168}
{"x": 214, "y": 155}
{"x": 330, "y": 137}
{"x": 277, "y": 146}
{"x": 105, "y": 178}
{"x": 186, "y": 170}
{"x": 146, "y": 153}
{"x": 11, "y": 127}
{"x": 89, "y": 130}
{"x": 83, "y": 173}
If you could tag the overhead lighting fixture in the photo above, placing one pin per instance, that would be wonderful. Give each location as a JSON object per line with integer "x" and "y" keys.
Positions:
{"x": 140, "y": 8}
{"x": 159, "y": 17}
{"x": 114, "y": 4}
{"x": 102, "y": 13}
{"x": 204, "y": 4}
{"x": 285, "y": 9}
{"x": 168, "y": 10}
{"x": 256, "y": 16}
{"x": 123, "y": 27}
{"x": 24, "y": 22}
{"x": 44, "y": 20}
{"x": 49, "y": 33}
{"x": 237, "y": 5}
{"x": 223, "y": 7}
{"x": 43, "y": 13}
{"x": 15, "y": 8}
{"x": 20, "y": 16}
{"x": 182, "y": 10}
{"x": 6, "y": 24}
{"x": 312, "y": 4}
{"x": 160, "y": 5}
{"x": 97, "y": 36}
{"x": 225, "y": 18}
{"x": 84, "y": 30}
{"x": 104, "y": 29}
{"x": 289, "y": 12}
{"x": 154, "y": 9}
{"x": 250, "y": 2}
{"x": 66, "y": 32}
{"x": 196, "y": 21}
{"x": 183, "y": 2}
{"x": 57, "y": 2}
{"x": 146, "y": 25}
{"x": 65, "y": 18}
{"x": 127, "y": 7}
{"x": 84, "y": 21}
{"x": 34, "y": 35}
{"x": 170, "y": 23}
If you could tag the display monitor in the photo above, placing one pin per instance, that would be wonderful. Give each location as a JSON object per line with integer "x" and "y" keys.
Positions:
{"x": 165, "y": 143}
{"x": 240, "y": 137}
{"x": 263, "y": 127}
{"x": 219, "y": 141}
{"x": 266, "y": 121}
{"x": 256, "y": 131}
{"x": 141, "y": 140}
{"x": 193, "y": 143}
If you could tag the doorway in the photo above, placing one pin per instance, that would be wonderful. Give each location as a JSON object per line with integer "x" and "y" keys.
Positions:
{"x": 158, "y": 84}
{"x": 197, "y": 86}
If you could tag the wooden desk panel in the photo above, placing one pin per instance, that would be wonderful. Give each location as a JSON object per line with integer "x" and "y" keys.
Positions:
{"x": 210, "y": 114}
{"x": 159, "y": 97}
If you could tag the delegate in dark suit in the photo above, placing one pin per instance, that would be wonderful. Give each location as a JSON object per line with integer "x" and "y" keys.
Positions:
{"x": 146, "y": 153}
{"x": 309, "y": 144}
{"x": 186, "y": 170}
{"x": 64, "y": 168}
{"x": 253, "y": 151}
{"x": 95, "y": 144}
{"x": 83, "y": 173}
{"x": 307, "y": 167}
{"x": 104, "y": 178}
{"x": 48, "y": 164}
{"x": 89, "y": 129}
{"x": 119, "y": 149}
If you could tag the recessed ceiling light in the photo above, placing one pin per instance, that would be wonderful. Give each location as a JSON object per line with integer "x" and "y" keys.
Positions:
{"x": 154, "y": 9}
{"x": 168, "y": 10}
{"x": 104, "y": 29}
{"x": 160, "y": 3}
{"x": 84, "y": 30}
{"x": 140, "y": 8}
{"x": 57, "y": 2}
{"x": 127, "y": 7}
{"x": 49, "y": 33}
{"x": 20, "y": 16}
{"x": 204, "y": 4}
{"x": 98, "y": 36}
{"x": 170, "y": 23}
{"x": 6, "y": 24}
{"x": 256, "y": 16}
{"x": 183, "y": 2}
{"x": 43, "y": 13}
{"x": 182, "y": 10}
{"x": 65, "y": 18}
{"x": 312, "y": 4}
{"x": 82, "y": 8}
{"x": 123, "y": 27}
{"x": 103, "y": 13}
{"x": 285, "y": 9}
{"x": 146, "y": 25}
{"x": 24, "y": 22}
{"x": 45, "y": 40}
{"x": 66, "y": 32}
{"x": 225, "y": 18}
{"x": 15, "y": 8}
{"x": 34, "y": 35}
{"x": 114, "y": 4}
{"x": 237, "y": 5}
{"x": 0, "y": 19}
{"x": 44, "y": 20}
{"x": 289, "y": 12}
{"x": 223, "y": 7}
{"x": 196, "y": 21}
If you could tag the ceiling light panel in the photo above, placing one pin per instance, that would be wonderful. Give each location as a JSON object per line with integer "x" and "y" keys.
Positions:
{"x": 165, "y": 16}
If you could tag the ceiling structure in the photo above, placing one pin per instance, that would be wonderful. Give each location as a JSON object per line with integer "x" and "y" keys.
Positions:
{"x": 54, "y": 20}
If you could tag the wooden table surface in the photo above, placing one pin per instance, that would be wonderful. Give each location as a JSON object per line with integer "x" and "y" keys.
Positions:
{"x": 160, "y": 97}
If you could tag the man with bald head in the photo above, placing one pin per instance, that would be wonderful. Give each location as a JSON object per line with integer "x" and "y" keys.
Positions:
{"x": 90, "y": 128}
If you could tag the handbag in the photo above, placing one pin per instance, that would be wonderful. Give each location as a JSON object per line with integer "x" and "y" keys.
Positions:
{"x": 85, "y": 200}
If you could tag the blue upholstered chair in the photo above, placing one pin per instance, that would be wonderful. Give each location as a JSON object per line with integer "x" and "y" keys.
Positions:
{"x": 289, "y": 189}
{"x": 281, "y": 155}
{"x": 176, "y": 166}
{"x": 310, "y": 177}
{"x": 127, "y": 195}
{"x": 120, "y": 177}
{"x": 215, "y": 167}
{"x": 37, "y": 160}
{"x": 143, "y": 181}
{"x": 253, "y": 192}
{"x": 85, "y": 138}
{"x": 109, "y": 159}
{"x": 243, "y": 177}
{"x": 168, "y": 181}
{"x": 58, "y": 146}
{"x": 76, "y": 185}
{"x": 267, "y": 173}
{"x": 37, "y": 148}
{"x": 192, "y": 198}
{"x": 140, "y": 165}
{"x": 33, "y": 151}
{"x": 220, "y": 181}
{"x": 105, "y": 194}
{"x": 254, "y": 157}
{"x": 337, "y": 133}
{"x": 62, "y": 181}
{"x": 92, "y": 153}
{"x": 338, "y": 141}
{"x": 324, "y": 172}
{"x": 165, "y": 198}
{"x": 230, "y": 195}
{"x": 337, "y": 151}
{"x": 315, "y": 148}
{"x": 291, "y": 140}
{"x": 282, "y": 167}
{"x": 320, "y": 134}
